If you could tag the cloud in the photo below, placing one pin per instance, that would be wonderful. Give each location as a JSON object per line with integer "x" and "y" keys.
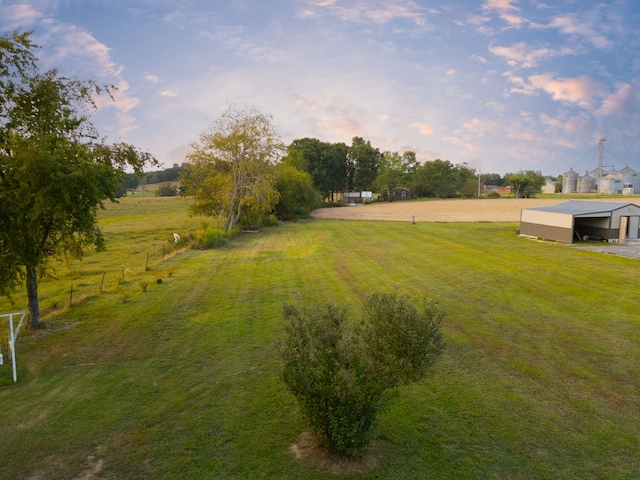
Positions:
{"x": 423, "y": 128}
{"x": 15, "y": 16}
{"x": 477, "y": 20}
{"x": 521, "y": 86}
{"x": 495, "y": 106}
{"x": 568, "y": 131}
{"x": 478, "y": 58}
{"x": 184, "y": 20}
{"x": 620, "y": 110}
{"x": 453, "y": 140}
{"x": 382, "y": 117}
{"x": 306, "y": 13}
{"x": 236, "y": 39}
{"x": 523, "y": 56}
{"x": 572, "y": 25}
{"x": 370, "y": 11}
{"x": 478, "y": 128}
{"x": 301, "y": 100}
{"x": 168, "y": 93}
{"x": 152, "y": 78}
{"x": 73, "y": 49}
{"x": 514, "y": 21}
{"x": 580, "y": 91}
{"x": 501, "y": 5}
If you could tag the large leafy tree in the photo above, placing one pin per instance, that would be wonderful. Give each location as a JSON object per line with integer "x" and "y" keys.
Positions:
{"x": 442, "y": 179}
{"x": 395, "y": 171}
{"x": 325, "y": 162}
{"x": 54, "y": 172}
{"x": 230, "y": 170}
{"x": 297, "y": 197}
{"x": 525, "y": 183}
{"x": 366, "y": 161}
{"x": 436, "y": 178}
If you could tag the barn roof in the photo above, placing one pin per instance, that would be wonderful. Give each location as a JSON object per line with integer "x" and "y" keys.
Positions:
{"x": 577, "y": 207}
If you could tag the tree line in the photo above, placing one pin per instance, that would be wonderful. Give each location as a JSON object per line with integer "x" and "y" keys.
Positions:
{"x": 241, "y": 170}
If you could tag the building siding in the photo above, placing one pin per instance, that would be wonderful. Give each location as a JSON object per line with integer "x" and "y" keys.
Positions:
{"x": 548, "y": 232}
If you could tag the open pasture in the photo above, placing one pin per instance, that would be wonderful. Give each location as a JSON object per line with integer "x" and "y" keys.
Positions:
{"x": 540, "y": 378}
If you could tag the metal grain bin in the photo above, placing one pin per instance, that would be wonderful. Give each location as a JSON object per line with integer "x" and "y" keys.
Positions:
{"x": 586, "y": 184}
{"x": 570, "y": 182}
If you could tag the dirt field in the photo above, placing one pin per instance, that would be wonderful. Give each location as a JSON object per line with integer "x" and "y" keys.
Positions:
{"x": 455, "y": 210}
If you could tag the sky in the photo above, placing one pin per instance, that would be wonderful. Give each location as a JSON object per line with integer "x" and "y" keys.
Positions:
{"x": 501, "y": 85}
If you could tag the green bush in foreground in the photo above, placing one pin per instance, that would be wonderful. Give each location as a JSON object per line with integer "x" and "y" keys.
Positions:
{"x": 343, "y": 374}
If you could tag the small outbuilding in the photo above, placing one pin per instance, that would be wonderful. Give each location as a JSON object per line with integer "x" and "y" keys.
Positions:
{"x": 401, "y": 194}
{"x": 575, "y": 219}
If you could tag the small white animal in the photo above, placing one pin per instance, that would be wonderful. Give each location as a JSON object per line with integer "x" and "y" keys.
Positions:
{"x": 176, "y": 238}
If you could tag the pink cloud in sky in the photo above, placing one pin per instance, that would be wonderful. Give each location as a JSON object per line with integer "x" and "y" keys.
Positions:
{"x": 625, "y": 99}
{"x": 19, "y": 15}
{"x": 581, "y": 90}
{"x": 423, "y": 128}
{"x": 376, "y": 11}
{"x": 502, "y": 5}
{"x": 521, "y": 55}
{"x": 572, "y": 25}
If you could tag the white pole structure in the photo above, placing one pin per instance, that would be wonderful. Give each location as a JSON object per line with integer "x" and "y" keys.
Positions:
{"x": 13, "y": 334}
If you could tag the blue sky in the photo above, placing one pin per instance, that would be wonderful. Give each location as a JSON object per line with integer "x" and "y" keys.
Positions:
{"x": 503, "y": 85}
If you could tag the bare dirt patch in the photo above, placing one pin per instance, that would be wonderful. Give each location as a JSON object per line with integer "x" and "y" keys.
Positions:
{"x": 455, "y": 210}
{"x": 306, "y": 448}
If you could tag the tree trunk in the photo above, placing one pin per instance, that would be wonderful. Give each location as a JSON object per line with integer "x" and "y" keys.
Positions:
{"x": 32, "y": 297}
{"x": 233, "y": 218}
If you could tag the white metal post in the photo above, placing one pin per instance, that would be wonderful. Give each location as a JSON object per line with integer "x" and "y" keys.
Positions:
{"x": 13, "y": 334}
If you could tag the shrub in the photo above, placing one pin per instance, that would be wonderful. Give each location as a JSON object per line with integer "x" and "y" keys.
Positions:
{"x": 343, "y": 374}
{"x": 166, "y": 190}
{"x": 208, "y": 237}
{"x": 493, "y": 194}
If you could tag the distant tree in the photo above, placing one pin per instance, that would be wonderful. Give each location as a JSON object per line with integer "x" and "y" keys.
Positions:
{"x": 492, "y": 179}
{"x": 470, "y": 188}
{"x": 54, "y": 174}
{"x": 231, "y": 167}
{"x": 395, "y": 171}
{"x": 465, "y": 177}
{"x": 160, "y": 176}
{"x": 343, "y": 374}
{"x": 436, "y": 178}
{"x": 296, "y": 195}
{"x": 325, "y": 162}
{"x": 365, "y": 160}
{"x": 166, "y": 190}
{"x": 558, "y": 185}
{"x": 525, "y": 184}
{"x": 129, "y": 183}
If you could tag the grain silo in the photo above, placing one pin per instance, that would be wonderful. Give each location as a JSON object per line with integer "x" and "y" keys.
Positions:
{"x": 630, "y": 181}
{"x": 570, "y": 182}
{"x": 610, "y": 184}
{"x": 586, "y": 184}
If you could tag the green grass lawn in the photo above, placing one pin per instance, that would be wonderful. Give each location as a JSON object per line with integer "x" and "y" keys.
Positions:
{"x": 540, "y": 378}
